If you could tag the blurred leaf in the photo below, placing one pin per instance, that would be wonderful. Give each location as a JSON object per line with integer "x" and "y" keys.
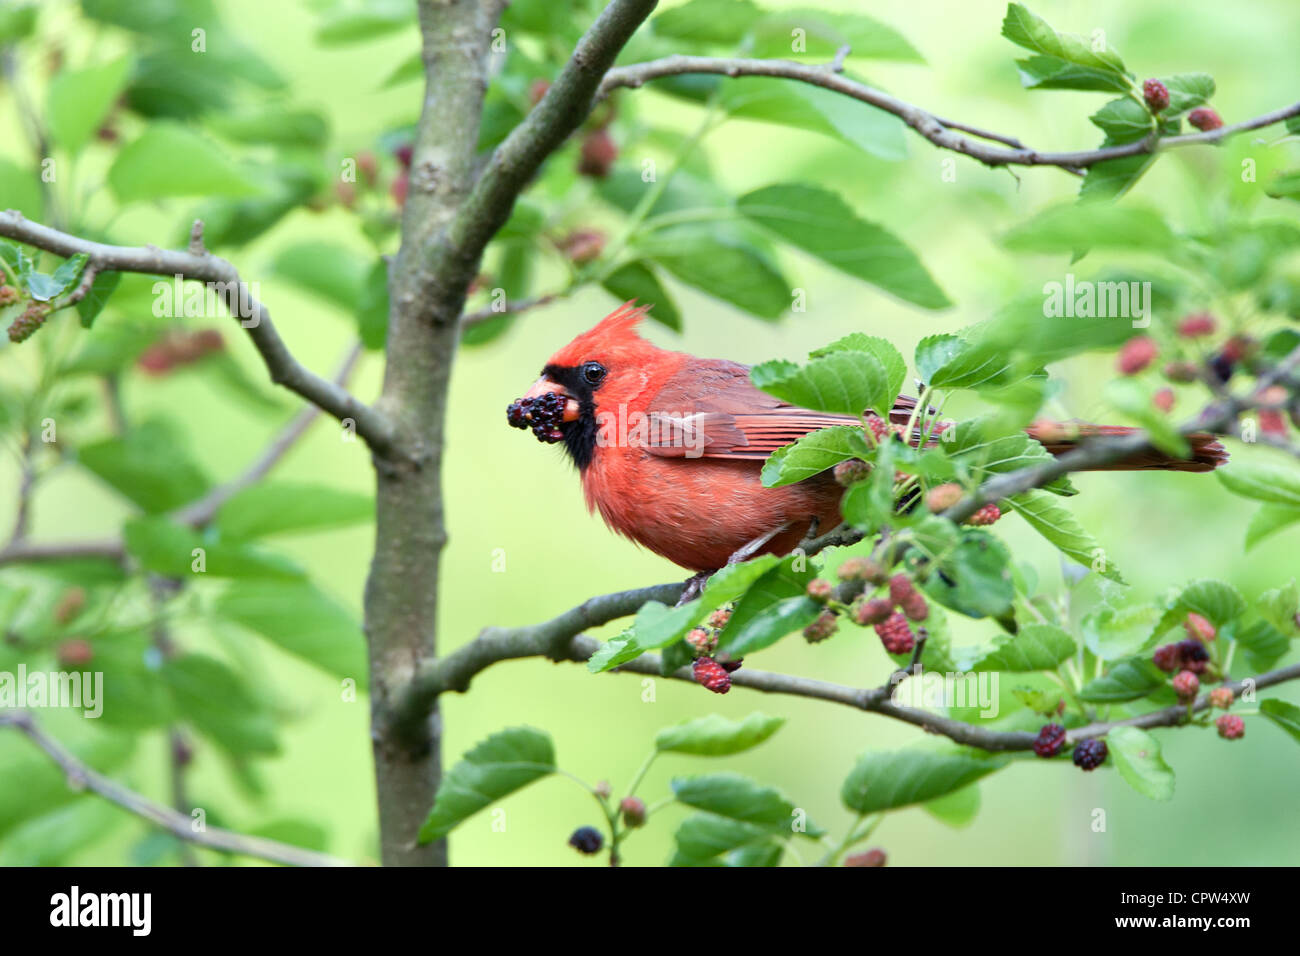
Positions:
{"x": 493, "y": 769}
{"x": 813, "y": 454}
{"x": 44, "y": 785}
{"x": 1263, "y": 643}
{"x": 270, "y": 508}
{"x": 298, "y": 618}
{"x": 707, "y": 21}
{"x": 636, "y": 280}
{"x": 1283, "y": 713}
{"x": 886, "y": 780}
{"x": 21, "y": 188}
{"x": 736, "y": 797}
{"x": 820, "y": 223}
{"x": 1054, "y": 522}
{"x": 147, "y": 466}
{"x": 170, "y": 160}
{"x": 716, "y": 736}
{"x": 722, "y": 266}
{"x": 1137, "y": 756}
{"x": 325, "y": 269}
{"x": 80, "y": 100}
{"x": 277, "y": 125}
{"x": 1037, "y": 647}
{"x": 704, "y": 837}
{"x": 219, "y": 704}
{"x": 17, "y": 21}
{"x": 50, "y": 839}
{"x": 1129, "y": 679}
{"x": 1066, "y": 229}
{"x": 825, "y": 32}
{"x": 377, "y": 18}
{"x": 168, "y": 548}
{"x": 957, "y": 809}
{"x": 1273, "y": 483}
{"x": 1279, "y": 606}
{"x": 304, "y": 833}
{"x": 1268, "y": 520}
{"x": 372, "y": 308}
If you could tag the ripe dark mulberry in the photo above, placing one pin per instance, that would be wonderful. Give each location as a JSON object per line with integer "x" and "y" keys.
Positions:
{"x": 711, "y": 674}
{"x": 1156, "y": 94}
{"x": 543, "y": 414}
{"x": 896, "y": 634}
{"x": 915, "y": 607}
{"x": 1194, "y": 656}
{"x": 587, "y": 840}
{"x": 1050, "y": 740}
{"x": 1090, "y": 754}
{"x": 1168, "y": 658}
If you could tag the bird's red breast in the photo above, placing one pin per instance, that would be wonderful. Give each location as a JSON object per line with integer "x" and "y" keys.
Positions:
{"x": 670, "y": 447}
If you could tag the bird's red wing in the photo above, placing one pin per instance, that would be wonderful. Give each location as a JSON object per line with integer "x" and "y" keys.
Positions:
{"x": 710, "y": 409}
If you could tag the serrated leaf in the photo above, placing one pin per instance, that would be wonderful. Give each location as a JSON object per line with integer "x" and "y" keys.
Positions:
{"x": 1139, "y": 761}
{"x": 1045, "y": 72}
{"x": 702, "y": 838}
{"x": 101, "y": 289}
{"x": 722, "y": 266}
{"x": 1129, "y": 679}
{"x": 1046, "y": 515}
{"x": 775, "y": 605}
{"x": 1032, "y": 32}
{"x": 736, "y": 797}
{"x": 1123, "y": 120}
{"x": 820, "y": 223}
{"x": 974, "y": 578}
{"x": 813, "y": 454}
{"x": 1283, "y": 713}
{"x": 845, "y": 382}
{"x": 717, "y": 736}
{"x": 887, "y": 780}
{"x": 495, "y": 768}
{"x": 1037, "y": 647}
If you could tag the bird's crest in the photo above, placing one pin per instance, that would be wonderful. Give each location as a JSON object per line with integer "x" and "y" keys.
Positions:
{"x": 615, "y": 333}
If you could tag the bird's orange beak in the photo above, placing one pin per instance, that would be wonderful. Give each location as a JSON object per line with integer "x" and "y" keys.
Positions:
{"x": 544, "y": 386}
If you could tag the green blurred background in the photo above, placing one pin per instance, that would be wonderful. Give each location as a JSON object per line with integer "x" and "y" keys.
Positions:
{"x": 509, "y": 495}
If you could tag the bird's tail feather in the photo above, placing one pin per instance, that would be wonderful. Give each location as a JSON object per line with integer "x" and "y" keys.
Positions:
{"x": 1059, "y": 437}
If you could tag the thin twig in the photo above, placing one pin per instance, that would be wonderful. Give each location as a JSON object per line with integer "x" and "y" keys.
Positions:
{"x": 81, "y": 776}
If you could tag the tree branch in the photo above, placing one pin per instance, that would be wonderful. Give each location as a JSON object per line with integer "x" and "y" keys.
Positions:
{"x": 937, "y": 131}
{"x": 81, "y": 776}
{"x": 372, "y": 425}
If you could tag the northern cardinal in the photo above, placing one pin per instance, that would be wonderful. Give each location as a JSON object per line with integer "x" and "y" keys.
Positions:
{"x": 670, "y": 446}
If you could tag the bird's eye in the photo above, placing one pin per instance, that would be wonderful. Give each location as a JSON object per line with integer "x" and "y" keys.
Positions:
{"x": 593, "y": 373}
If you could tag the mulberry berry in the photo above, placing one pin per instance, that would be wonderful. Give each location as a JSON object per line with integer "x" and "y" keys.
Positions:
{"x": 900, "y": 588}
{"x": 1194, "y": 656}
{"x": 8, "y": 295}
{"x": 1163, "y": 400}
{"x": 861, "y": 569}
{"x": 711, "y": 674}
{"x": 1186, "y": 684}
{"x": 1199, "y": 628}
{"x": 942, "y": 497}
{"x": 1197, "y": 325}
{"x": 1231, "y": 727}
{"x": 598, "y": 154}
{"x": 874, "y": 611}
{"x": 1181, "y": 372}
{"x": 850, "y": 472}
{"x": 1090, "y": 754}
{"x": 720, "y": 617}
{"x": 826, "y": 624}
{"x": 878, "y": 426}
{"x": 873, "y": 857}
{"x": 820, "y": 590}
{"x": 1050, "y": 740}
{"x": 1136, "y": 355}
{"x": 587, "y": 840}
{"x": 1204, "y": 119}
{"x": 1221, "y": 697}
{"x": 896, "y": 634}
{"x": 985, "y": 516}
{"x": 703, "y": 641}
{"x": 1156, "y": 94}
{"x": 915, "y": 607}
{"x": 1168, "y": 658}
{"x": 633, "y": 810}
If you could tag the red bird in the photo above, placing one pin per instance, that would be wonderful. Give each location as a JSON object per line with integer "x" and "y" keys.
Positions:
{"x": 670, "y": 446}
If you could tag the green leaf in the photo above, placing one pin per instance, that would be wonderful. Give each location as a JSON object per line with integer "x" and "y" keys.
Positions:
{"x": 1038, "y": 647}
{"x": 1112, "y": 178}
{"x": 219, "y": 704}
{"x": 298, "y": 618}
{"x": 1263, "y": 643}
{"x": 324, "y": 269}
{"x": 1046, "y": 515}
{"x": 48, "y": 840}
{"x": 80, "y": 100}
{"x": 1279, "y": 607}
{"x": 1283, "y": 713}
{"x": 704, "y": 837}
{"x": 21, "y": 187}
{"x": 1123, "y": 120}
{"x": 1032, "y": 32}
{"x": 17, "y": 21}
{"x": 274, "y": 125}
{"x": 1137, "y": 756}
{"x": 1274, "y": 483}
{"x": 1068, "y": 228}
{"x": 978, "y": 445}
{"x": 845, "y": 382}
{"x": 826, "y": 32}
{"x": 707, "y": 21}
{"x": 1187, "y": 91}
{"x": 168, "y": 548}
{"x": 270, "y": 508}
{"x": 171, "y": 160}
{"x": 820, "y": 223}
{"x": 1129, "y": 679}
{"x": 45, "y": 786}
{"x": 957, "y": 809}
{"x": 975, "y": 577}
{"x": 716, "y": 736}
{"x": 737, "y": 797}
{"x": 890, "y": 359}
{"x": 773, "y": 606}
{"x": 148, "y": 466}
{"x": 372, "y": 308}
{"x": 377, "y": 19}
{"x": 723, "y": 266}
{"x": 813, "y": 454}
{"x": 1054, "y": 73}
{"x": 884, "y": 780}
{"x": 101, "y": 289}
{"x": 493, "y": 769}
{"x": 636, "y": 280}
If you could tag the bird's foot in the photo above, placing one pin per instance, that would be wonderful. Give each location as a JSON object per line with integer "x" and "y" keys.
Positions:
{"x": 748, "y": 550}
{"x": 693, "y": 587}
